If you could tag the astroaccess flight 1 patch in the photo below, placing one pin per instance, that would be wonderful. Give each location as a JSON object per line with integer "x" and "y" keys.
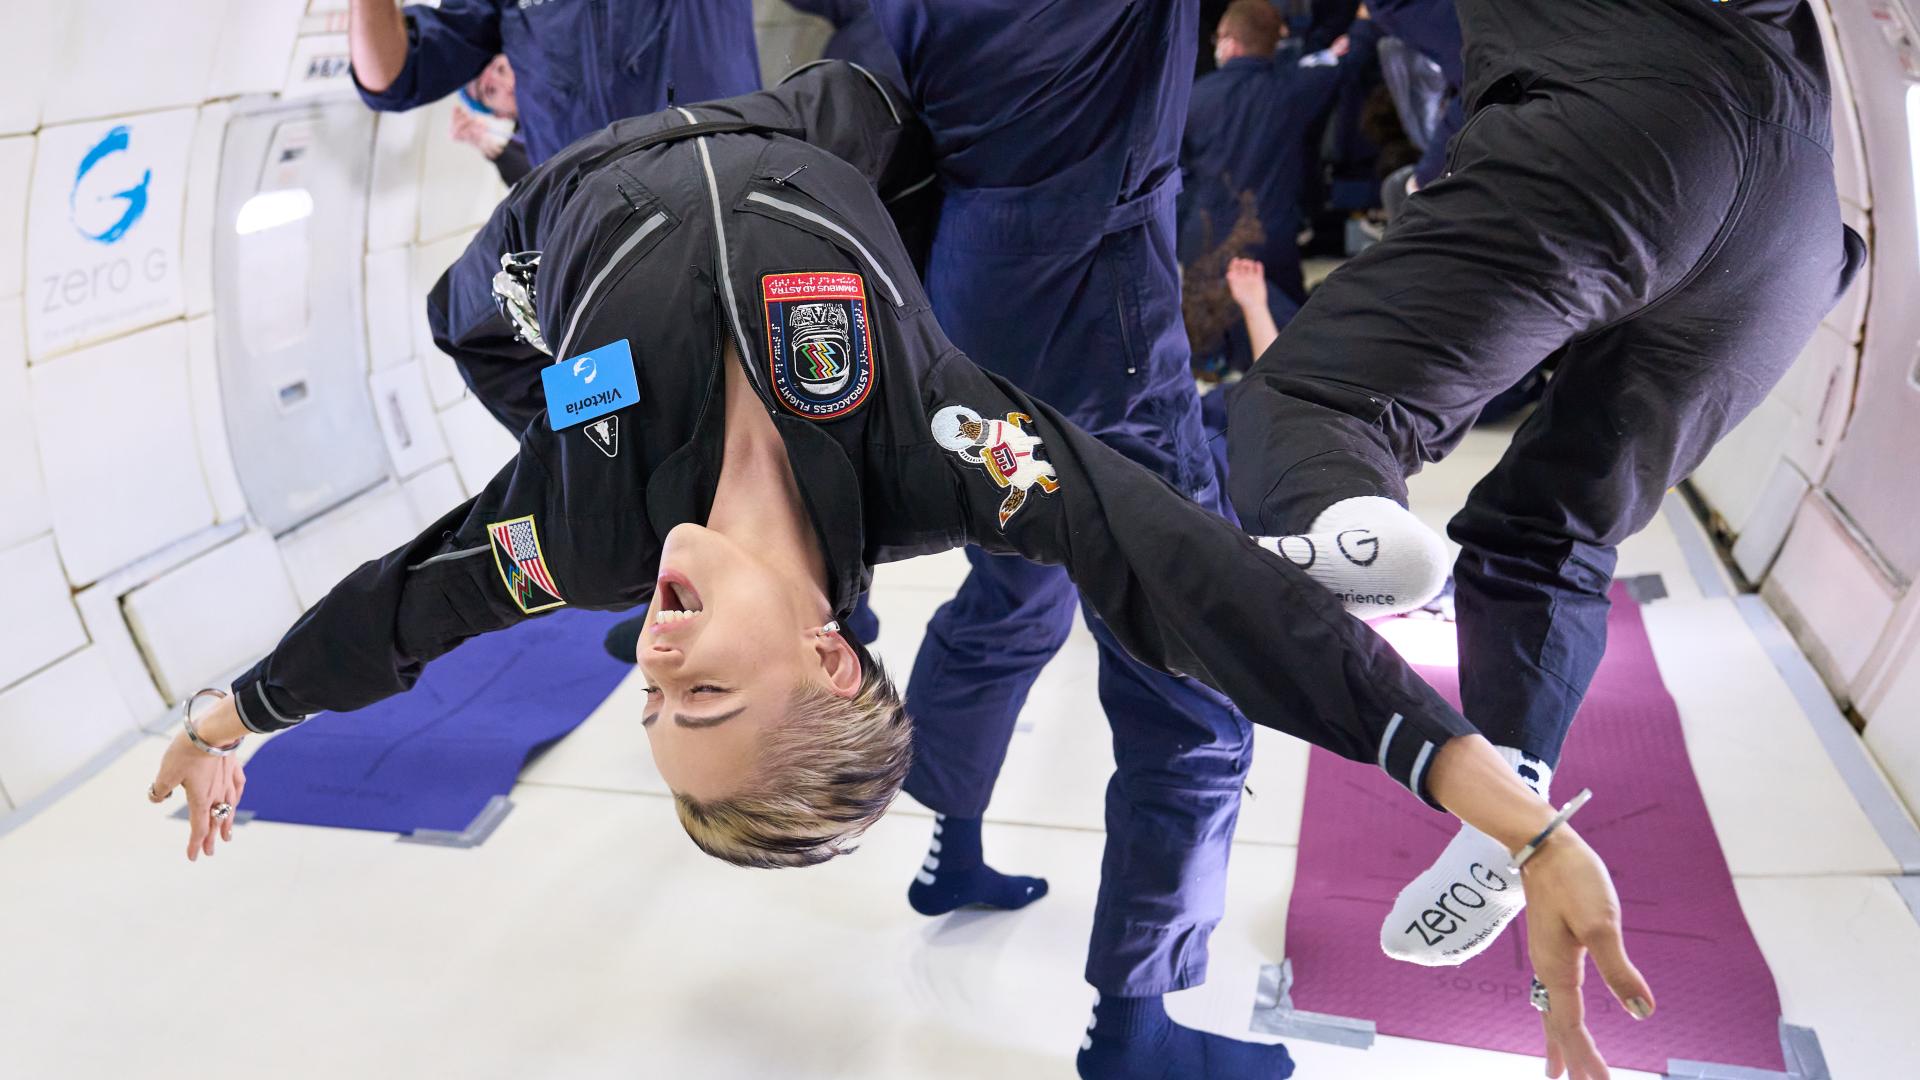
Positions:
{"x": 523, "y": 567}
{"x": 819, "y": 344}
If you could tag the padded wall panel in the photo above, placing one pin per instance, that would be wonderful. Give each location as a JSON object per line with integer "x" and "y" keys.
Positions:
{"x": 210, "y": 422}
{"x": 104, "y": 228}
{"x": 1765, "y": 529}
{"x": 319, "y": 554}
{"x": 480, "y": 445}
{"x": 22, "y": 492}
{"x": 428, "y": 262}
{"x": 122, "y": 472}
{"x": 16, "y": 170}
{"x": 321, "y": 64}
{"x": 256, "y": 39}
{"x": 203, "y": 185}
{"x": 390, "y": 308}
{"x": 435, "y": 492}
{"x": 461, "y": 187}
{"x": 245, "y": 582}
{"x": 407, "y": 419}
{"x": 1893, "y": 725}
{"x": 53, "y": 723}
{"x": 41, "y": 625}
{"x": 36, "y": 35}
{"x": 122, "y": 57}
{"x": 393, "y": 196}
{"x": 1836, "y": 602}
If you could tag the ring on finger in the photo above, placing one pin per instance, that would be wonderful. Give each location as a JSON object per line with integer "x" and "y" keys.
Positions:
{"x": 154, "y": 793}
{"x": 223, "y": 811}
{"x": 1537, "y": 996}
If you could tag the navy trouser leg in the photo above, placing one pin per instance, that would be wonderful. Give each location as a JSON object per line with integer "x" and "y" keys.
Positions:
{"x": 1181, "y": 756}
{"x": 983, "y": 650}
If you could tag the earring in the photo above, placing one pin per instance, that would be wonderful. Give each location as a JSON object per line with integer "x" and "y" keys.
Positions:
{"x": 832, "y": 627}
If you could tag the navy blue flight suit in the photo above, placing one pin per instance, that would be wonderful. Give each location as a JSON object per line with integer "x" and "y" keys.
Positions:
{"x": 857, "y": 37}
{"x": 578, "y": 65}
{"x": 1645, "y": 192}
{"x": 1249, "y": 129}
{"x": 1056, "y": 134}
{"x": 1433, "y": 28}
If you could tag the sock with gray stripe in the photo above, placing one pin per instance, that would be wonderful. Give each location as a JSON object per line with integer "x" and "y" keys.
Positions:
{"x": 955, "y": 874}
{"x": 1453, "y": 911}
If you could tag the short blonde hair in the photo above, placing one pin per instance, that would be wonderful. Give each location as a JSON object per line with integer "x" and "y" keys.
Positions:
{"x": 824, "y": 775}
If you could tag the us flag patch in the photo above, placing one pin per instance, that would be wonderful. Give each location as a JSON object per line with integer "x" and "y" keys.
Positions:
{"x": 523, "y": 568}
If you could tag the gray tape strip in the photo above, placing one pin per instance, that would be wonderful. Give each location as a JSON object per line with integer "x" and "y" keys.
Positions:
{"x": 1805, "y": 1061}
{"x": 1274, "y": 1014}
{"x": 1706, "y": 1070}
{"x": 1909, "y": 890}
{"x": 1701, "y": 560}
{"x": 1890, "y": 819}
{"x": 476, "y": 832}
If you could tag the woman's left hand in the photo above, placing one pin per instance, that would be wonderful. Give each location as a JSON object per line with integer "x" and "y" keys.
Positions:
{"x": 209, "y": 781}
{"x": 1572, "y": 910}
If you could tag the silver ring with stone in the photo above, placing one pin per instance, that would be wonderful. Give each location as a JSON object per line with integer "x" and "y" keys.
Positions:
{"x": 223, "y": 811}
{"x": 1537, "y": 996}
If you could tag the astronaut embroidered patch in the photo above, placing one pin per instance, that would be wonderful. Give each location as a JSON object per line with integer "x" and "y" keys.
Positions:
{"x": 1009, "y": 453}
{"x": 819, "y": 344}
{"x": 522, "y": 565}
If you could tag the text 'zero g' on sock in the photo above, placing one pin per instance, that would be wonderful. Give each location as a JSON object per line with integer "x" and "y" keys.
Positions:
{"x": 1458, "y": 906}
{"x": 955, "y": 874}
{"x": 1371, "y": 553}
{"x": 1133, "y": 1038}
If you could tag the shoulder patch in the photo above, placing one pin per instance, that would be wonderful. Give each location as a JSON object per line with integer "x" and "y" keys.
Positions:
{"x": 819, "y": 343}
{"x": 1007, "y": 452}
{"x": 522, "y": 565}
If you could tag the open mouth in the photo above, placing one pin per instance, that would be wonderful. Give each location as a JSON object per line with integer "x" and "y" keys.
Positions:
{"x": 677, "y": 603}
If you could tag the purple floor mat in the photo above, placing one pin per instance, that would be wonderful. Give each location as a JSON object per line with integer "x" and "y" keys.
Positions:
{"x": 432, "y": 757}
{"x": 1363, "y": 839}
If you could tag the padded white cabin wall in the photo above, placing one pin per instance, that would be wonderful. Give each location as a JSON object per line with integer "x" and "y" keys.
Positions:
{"x": 22, "y": 491}
{"x": 41, "y": 623}
{"x": 185, "y": 649}
{"x": 122, "y": 468}
{"x": 55, "y": 722}
{"x": 327, "y": 549}
{"x": 36, "y": 35}
{"x": 120, "y": 57}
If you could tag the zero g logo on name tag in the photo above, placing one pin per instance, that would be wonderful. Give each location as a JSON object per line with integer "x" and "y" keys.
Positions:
{"x": 819, "y": 345}
{"x": 592, "y": 384}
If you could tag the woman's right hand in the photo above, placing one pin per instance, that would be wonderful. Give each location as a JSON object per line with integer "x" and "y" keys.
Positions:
{"x": 1572, "y": 910}
{"x": 209, "y": 781}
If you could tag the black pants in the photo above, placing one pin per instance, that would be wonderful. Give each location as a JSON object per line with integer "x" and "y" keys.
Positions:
{"x": 1672, "y": 244}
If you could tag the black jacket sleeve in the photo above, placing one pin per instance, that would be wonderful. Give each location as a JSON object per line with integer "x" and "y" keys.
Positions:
{"x": 556, "y": 527}
{"x": 1184, "y": 590}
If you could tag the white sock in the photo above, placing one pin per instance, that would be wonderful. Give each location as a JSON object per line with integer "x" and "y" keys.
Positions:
{"x": 1371, "y": 553}
{"x": 1453, "y": 911}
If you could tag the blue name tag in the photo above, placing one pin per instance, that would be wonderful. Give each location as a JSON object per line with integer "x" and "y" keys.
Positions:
{"x": 590, "y": 385}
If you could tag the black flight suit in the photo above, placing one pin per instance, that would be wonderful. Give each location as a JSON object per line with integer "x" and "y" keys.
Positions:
{"x": 678, "y": 231}
{"x": 1645, "y": 189}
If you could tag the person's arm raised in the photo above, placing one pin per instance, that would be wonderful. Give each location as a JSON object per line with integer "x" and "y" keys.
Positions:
{"x": 377, "y": 42}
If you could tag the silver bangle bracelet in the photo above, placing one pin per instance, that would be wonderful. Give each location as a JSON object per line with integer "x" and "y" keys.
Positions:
{"x": 1520, "y": 857}
{"x": 193, "y": 736}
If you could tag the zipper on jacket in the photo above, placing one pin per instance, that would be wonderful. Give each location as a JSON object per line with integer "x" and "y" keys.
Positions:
{"x": 647, "y": 228}
{"x": 729, "y": 311}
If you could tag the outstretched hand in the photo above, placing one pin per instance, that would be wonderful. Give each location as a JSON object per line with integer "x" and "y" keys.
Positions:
{"x": 1572, "y": 910}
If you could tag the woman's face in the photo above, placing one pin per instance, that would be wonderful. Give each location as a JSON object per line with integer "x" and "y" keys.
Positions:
{"x": 730, "y": 637}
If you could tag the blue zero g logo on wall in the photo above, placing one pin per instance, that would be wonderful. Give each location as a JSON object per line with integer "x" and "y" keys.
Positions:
{"x": 103, "y": 205}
